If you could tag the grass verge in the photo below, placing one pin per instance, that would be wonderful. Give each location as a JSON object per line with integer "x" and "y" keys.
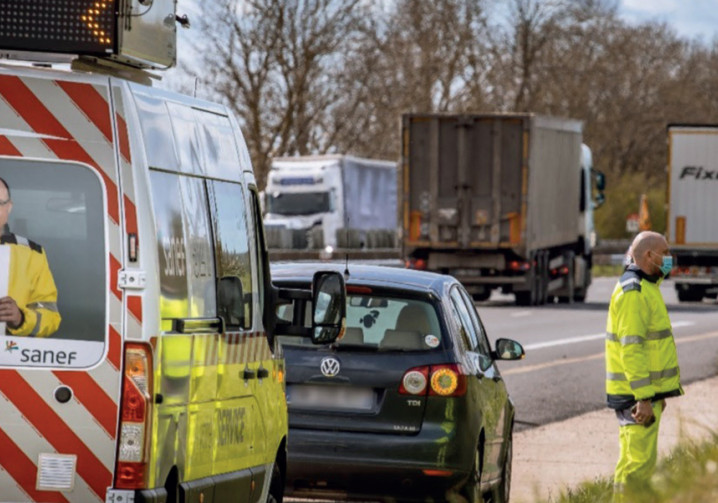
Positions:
{"x": 688, "y": 475}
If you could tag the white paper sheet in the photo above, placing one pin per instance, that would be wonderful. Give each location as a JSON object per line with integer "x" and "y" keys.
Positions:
{"x": 4, "y": 276}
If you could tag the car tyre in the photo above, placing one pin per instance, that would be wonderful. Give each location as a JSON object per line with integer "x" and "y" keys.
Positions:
{"x": 501, "y": 493}
{"x": 472, "y": 487}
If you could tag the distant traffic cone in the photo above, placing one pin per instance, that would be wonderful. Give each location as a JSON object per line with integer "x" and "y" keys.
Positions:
{"x": 644, "y": 216}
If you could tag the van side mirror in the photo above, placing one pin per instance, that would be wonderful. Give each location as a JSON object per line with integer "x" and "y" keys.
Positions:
{"x": 506, "y": 349}
{"x": 329, "y": 299}
{"x": 230, "y": 301}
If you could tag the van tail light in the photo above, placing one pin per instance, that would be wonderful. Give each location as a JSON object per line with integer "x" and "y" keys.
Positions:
{"x": 435, "y": 380}
{"x": 135, "y": 417}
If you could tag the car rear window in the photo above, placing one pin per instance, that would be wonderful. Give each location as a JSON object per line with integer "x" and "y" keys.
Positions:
{"x": 384, "y": 323}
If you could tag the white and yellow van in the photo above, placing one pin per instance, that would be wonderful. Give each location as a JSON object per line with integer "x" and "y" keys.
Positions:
{"x": 162, "y": 382}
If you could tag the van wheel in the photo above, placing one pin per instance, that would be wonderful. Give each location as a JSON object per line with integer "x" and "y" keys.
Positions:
{"x": 472, "y": 487}
{"x": 276, "y": 485}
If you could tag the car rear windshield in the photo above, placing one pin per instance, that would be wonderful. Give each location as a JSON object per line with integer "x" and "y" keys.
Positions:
{"x": 384, "y": 322}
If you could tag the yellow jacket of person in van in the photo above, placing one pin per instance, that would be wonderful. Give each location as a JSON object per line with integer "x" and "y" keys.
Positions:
{"x": 32, "y": 287}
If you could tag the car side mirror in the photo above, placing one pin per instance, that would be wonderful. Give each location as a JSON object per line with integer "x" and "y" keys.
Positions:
{"x": 329, "y": 299}
{"x": 506, "y": 349}
{"x": 600, "y": 180}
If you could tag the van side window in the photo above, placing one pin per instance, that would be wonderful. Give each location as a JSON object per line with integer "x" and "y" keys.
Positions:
{"x": 235, "y": 286}
{"x": 259, "y": 246}
{"x": 184, "y": 246}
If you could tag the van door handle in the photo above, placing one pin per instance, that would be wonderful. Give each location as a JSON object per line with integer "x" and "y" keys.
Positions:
{"x": 249, "y": 374}
{"x": 262, "y": 373}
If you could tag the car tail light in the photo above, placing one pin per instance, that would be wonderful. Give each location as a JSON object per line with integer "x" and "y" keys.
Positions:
{"x": 447, "y": 380}
{"x": 135, "y": 415}
{"x": 414, "y": 381}
{"x": 437, "y": 380}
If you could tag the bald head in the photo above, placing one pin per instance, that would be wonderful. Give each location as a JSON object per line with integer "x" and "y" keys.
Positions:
{"x": 647, "y": 250}
{"x": 5, "y": 204}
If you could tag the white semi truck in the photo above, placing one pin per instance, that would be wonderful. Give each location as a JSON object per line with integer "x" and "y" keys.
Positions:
{"x": 691, "y": 208}
{"x": 501, "y": 201}
{"x": 332, "y": 201}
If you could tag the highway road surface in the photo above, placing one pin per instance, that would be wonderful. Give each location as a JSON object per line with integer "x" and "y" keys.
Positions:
{"x": 563, "y": 373}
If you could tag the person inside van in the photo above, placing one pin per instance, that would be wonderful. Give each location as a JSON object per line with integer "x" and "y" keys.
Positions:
{"x": 28, "y": 296}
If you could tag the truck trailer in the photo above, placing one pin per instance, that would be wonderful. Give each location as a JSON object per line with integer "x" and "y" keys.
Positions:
{"x": 691, "y": 206}
{"x": 500, "y": 200}
{"x": 332, "y": 200}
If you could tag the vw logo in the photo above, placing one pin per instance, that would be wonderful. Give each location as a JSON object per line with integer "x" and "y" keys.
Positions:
{"x": 329, "y": 366}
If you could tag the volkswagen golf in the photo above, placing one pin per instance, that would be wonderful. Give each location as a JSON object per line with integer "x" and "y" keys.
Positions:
{"x": 409, "y": 404}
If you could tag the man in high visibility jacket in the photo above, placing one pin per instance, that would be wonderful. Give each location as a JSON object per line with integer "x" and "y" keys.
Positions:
{"x": 29, "y": 308}
{"x": 641, "y": 360}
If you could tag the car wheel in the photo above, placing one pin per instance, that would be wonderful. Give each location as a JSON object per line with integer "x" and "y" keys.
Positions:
{"x": 501, "y": 492}
{"x": 472, "y": 487}
{"x": 276, "y": 485}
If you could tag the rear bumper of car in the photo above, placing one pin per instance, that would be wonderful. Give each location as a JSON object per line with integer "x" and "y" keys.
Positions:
{"x": 372, "y": 465}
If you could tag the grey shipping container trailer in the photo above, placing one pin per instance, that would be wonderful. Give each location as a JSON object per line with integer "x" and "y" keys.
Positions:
{"x": 500, "y": 201}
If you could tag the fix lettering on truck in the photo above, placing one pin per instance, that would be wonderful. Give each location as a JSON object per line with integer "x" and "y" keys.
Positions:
{"x": 699, "y": 173}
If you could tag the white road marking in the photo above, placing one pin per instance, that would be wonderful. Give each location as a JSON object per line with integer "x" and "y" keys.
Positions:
{"x": 585, "y": 338}
{"x": 520, "y": 314}
{"x": 596, "y": 356}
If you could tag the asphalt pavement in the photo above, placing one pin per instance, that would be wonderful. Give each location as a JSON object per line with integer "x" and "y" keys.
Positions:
{"x": 563, "y": 373}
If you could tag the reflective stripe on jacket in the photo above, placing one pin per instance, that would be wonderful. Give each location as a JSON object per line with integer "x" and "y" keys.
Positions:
{"x": 32, "y": 287}
{"x": 641, "y": 358}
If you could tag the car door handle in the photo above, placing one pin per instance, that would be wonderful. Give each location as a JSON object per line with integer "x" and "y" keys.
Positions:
{"x": 262, "y": 373}
{"x": 249, "y": 374}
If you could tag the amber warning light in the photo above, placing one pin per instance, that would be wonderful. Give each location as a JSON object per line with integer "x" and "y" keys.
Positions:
{"x": 66, "y": 26}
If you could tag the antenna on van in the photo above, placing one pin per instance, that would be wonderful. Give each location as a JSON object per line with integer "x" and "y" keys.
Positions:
{"x": 346, "y": 266}
{"x": 196, "y": 79}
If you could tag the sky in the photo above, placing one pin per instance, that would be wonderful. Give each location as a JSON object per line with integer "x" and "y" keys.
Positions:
{"x": 690, "y": 18}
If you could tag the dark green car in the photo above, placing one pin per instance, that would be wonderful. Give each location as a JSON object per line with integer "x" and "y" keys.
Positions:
{"x": 409, "y": 404}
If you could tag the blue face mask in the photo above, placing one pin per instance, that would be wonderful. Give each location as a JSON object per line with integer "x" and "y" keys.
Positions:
{"x": 666, "y": 265}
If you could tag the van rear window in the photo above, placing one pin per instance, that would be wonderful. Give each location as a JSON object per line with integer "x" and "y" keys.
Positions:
{"x": 58, "y": 207}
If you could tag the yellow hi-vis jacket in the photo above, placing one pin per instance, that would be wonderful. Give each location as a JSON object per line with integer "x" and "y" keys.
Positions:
{"x": 641, "y": 358}
{"x": 32, "y": 287}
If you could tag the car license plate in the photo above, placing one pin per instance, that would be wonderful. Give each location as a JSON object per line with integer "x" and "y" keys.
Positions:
{"x": 307, "y": 396}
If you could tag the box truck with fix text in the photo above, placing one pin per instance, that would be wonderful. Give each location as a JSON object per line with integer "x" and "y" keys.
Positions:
{"x": 692, "y": 203}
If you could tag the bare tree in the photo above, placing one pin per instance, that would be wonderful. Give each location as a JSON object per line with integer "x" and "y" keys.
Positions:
{"x": 277, "y": 64}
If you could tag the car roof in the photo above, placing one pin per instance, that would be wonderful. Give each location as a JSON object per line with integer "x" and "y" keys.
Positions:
{"x": 362, "y": 274}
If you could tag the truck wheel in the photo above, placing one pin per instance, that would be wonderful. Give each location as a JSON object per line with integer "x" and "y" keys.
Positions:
{"x": 523, "y": 298}
{"x": 690, "y": 294}
{"x": 481, "y": 297}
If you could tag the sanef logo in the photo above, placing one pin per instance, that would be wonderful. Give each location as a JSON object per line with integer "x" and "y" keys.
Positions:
{"x": 329, "y": 366}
